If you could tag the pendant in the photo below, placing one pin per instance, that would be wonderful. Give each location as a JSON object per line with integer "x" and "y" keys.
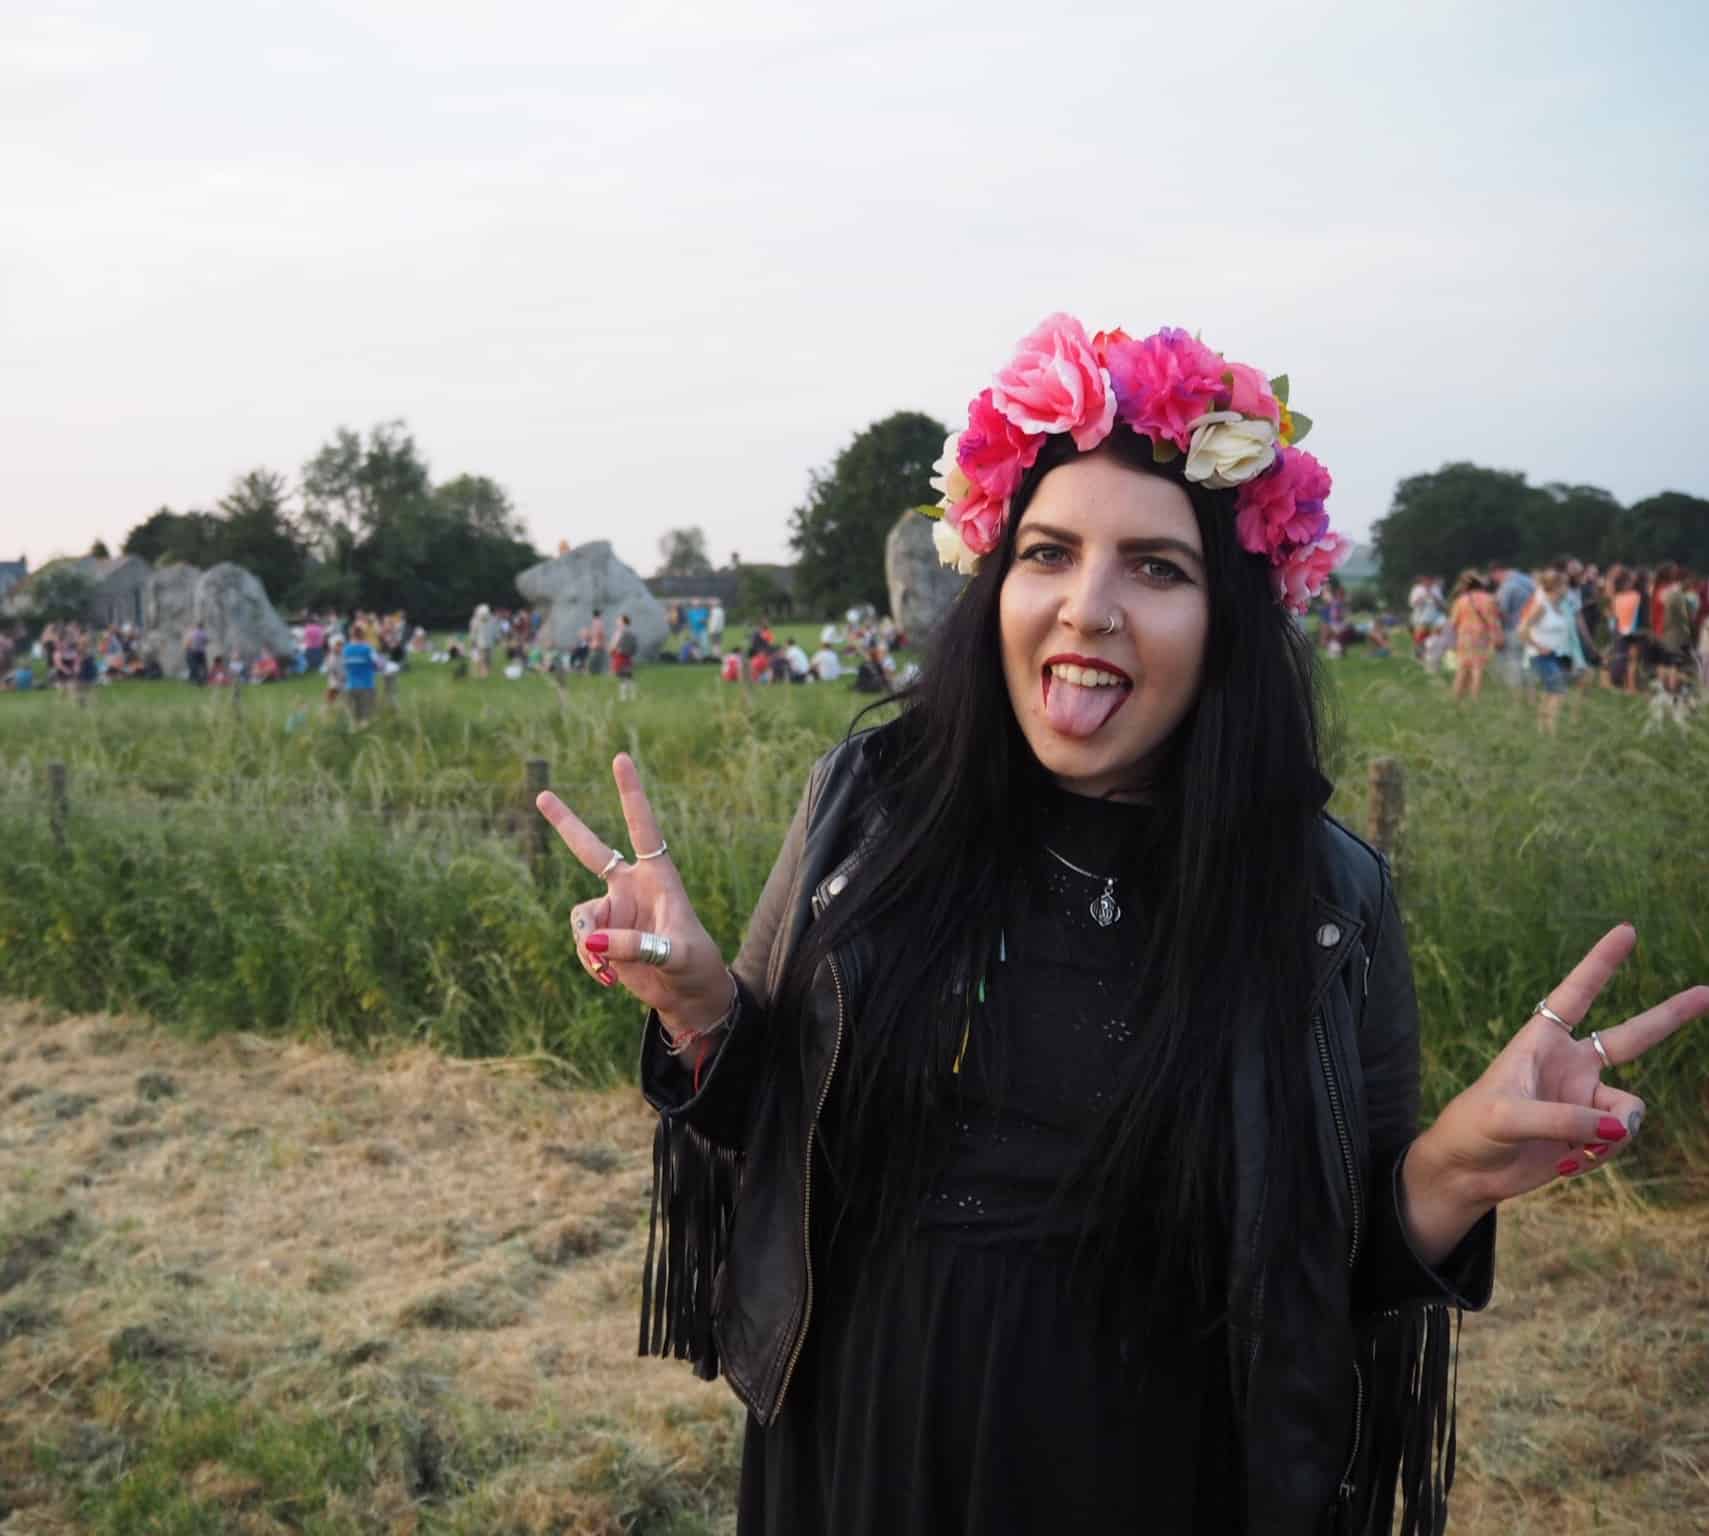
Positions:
{"x": 1104, "y": 910}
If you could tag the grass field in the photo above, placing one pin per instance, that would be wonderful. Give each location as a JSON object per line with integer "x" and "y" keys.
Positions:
{"x": 253, "y": 1286}
{"x": 262, "y": 865}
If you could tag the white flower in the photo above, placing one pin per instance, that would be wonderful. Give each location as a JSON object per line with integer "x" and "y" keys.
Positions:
{"x": 951, "y": 551}
{"x": 1229, "y": 449}
{"x": 948, "y": 481}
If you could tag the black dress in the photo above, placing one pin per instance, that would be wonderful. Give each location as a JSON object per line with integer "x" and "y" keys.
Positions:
{"x": 973, "y": 1376}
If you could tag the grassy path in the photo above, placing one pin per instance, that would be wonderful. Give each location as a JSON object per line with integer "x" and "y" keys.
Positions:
{"x": 253, "y": 1286}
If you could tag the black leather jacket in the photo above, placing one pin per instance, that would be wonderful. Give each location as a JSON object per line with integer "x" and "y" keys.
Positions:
{"x": 1339, "y": 1362}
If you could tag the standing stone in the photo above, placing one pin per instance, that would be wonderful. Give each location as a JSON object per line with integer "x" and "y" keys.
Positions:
{"x": 168, "y": 608}
{"x": 229, "y": 601}
{"x": 921, "y": 588}
{"x": 571, "y": 586}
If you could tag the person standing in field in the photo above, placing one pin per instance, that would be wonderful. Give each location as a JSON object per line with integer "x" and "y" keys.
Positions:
{"x": 1545, "y": 628}
{"x": 1627, "y": 604}
{"x": 359, "y": 666}
{"x": 715, "y": 626}
{"x": 1673, "y": 631}
{"x": 1476, "y": 623}
{"x": 483, "y": 638}
{"x": 1048, "y": 1158}
{"x": 196, "y": 652}
{"x": 1513, "y": 590}
{"x": 623, "y": 648}
{"x": 597, "y": 654}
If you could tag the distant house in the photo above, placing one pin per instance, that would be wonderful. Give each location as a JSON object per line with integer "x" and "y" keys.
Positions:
{"x": 12, "y": 572}
{"x": 116, "y": 587}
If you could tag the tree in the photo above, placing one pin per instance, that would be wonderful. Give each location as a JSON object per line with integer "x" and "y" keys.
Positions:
{"x": 838, "y": 533}
{"x": 1669, "y": 526}
{"x": 480, "y": 505}
{"x": 256, "y": 532}
{"x": 353, "y": 490}
{"x": 99, "y": 551}
{"x": 1567, "y": 520}
{"x": 682, "y": 552}
{"x": 57, "y": 593}
{"x": 192, "y": 538}
{"x": 1462, "y": 515}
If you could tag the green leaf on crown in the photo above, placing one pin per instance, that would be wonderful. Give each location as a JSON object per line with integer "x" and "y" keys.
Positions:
{"x": 1302, "y": 425}
{"x": 934, "y": 513}
{"x": 1162, "y": 450}
{"x": 1279, "y": 387}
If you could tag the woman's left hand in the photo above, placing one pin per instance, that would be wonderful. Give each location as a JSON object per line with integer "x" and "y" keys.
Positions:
{"x": 1541, "y": 1111}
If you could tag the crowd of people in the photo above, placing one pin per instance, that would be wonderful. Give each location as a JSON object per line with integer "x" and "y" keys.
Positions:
{"x": 73, "y": 657}
{"x": 863, "y": 646}
{"x": 1566, "y": 625}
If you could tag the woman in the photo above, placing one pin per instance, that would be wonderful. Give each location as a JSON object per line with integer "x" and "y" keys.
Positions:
{"x": 1546, "y": 628}
{"x": 1051, "y": 1141}
{"x": 623, "y": 649}
{"x": 1476, "y": 623}
{"x": 1628, "y": 647}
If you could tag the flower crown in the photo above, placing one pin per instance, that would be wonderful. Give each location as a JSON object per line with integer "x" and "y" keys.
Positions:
{"x": 1233, "y": 425}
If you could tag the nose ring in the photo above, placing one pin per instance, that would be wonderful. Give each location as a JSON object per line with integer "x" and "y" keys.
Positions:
{"x": 1113, "y": 624}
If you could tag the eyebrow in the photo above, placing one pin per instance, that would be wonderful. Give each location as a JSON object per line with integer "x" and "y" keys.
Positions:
{"x": 1127, "y": 546}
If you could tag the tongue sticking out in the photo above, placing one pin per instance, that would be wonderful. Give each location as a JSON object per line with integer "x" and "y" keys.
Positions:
{"x": 1077, "y": 711}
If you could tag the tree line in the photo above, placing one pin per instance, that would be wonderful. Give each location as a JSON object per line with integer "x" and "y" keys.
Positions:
{"x": 1464, "y": 515}
{"x": 364, "y": 525}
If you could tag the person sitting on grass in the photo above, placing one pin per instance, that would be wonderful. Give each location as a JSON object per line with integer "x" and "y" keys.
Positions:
{"x": 219, "y": 675}
{"x": 731, "y": 670}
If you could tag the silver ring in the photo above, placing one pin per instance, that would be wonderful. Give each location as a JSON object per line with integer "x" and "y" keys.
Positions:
{"x": 658, "y": 852}
{"x": 1543, "y": 1008}
{"x": 610, "y": 864}
{"x": 1601, "y": 1050}
{"x": 1111, "y": 627}
{"x": 655, "y": 949}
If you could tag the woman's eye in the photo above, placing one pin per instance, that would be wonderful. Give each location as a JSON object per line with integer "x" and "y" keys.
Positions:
{"x": 1163, "y": 572}
{"x": 1046, "y": 554}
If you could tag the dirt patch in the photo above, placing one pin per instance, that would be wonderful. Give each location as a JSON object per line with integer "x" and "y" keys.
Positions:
{"x": 417, "y": 1279}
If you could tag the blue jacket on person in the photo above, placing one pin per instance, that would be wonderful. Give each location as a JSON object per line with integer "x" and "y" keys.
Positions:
{"x": 359, "y": 666}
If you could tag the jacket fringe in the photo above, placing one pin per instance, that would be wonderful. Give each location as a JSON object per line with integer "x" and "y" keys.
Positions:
{"x": 688, "y": 1233}
{"x": 1410, "y": 1363}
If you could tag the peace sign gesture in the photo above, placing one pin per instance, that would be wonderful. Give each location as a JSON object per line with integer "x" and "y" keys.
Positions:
{"x": 1541, "y": 1110}
{"x": 642, "y": 931}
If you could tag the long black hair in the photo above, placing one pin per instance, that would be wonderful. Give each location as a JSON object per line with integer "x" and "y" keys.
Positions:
{"x": 1239, "y": 787}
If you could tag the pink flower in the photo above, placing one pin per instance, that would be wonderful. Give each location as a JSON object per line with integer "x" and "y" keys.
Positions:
{"x": 1300, "y": 577}
{"x": 1056, "y": 384}
{"x": 979, "y": 520}
{"x": 993, "y": 452}
{"x": 1249, "y": 393}
{"x": 1283, "y": 506}
{"x": 1164, "y": 383}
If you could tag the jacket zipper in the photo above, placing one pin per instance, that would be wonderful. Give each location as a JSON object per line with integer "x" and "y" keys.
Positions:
{"x": 807, "y": 1193}
{"x": 1346, "y": 1490}
{"x": 1338, "y": 1111}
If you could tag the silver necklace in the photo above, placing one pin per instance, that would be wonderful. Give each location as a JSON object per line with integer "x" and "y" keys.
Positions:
{"x": 1103, "y": 907}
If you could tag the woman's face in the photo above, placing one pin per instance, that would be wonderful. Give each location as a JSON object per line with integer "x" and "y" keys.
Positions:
{"x": 1099, "y": 540}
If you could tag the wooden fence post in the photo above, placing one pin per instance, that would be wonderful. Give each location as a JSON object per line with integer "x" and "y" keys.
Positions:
{"x": 1386, "y": 808}
{"x": 58, "y": 805}
{"x": 535, "y": 773}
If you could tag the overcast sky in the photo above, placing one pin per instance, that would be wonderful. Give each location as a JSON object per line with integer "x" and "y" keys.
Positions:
{"x": 647, "y": 263}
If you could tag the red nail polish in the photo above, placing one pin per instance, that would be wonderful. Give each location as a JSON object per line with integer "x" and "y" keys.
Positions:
{"x": 1566, "y": 1165}
{"x": 597, "y": 943}
{"x": 1610, "y": 1129}
{"x": 1596, "y": 1149}
{"x": 605, "y": 978}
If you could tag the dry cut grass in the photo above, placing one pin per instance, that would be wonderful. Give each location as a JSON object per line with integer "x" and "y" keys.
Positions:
{"x": 258, "y": 1287}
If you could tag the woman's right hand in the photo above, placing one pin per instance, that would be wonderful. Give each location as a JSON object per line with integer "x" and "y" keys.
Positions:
{"x": 692, "y": 990}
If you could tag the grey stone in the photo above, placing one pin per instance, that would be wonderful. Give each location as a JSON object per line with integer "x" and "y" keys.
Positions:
{"x": 231, "y": 605}
{"x": 571, "y": 586}
{"x": 921, "y": 588}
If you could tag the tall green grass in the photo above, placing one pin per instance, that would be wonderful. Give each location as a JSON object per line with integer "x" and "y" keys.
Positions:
{"x": 262, "y": 865}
